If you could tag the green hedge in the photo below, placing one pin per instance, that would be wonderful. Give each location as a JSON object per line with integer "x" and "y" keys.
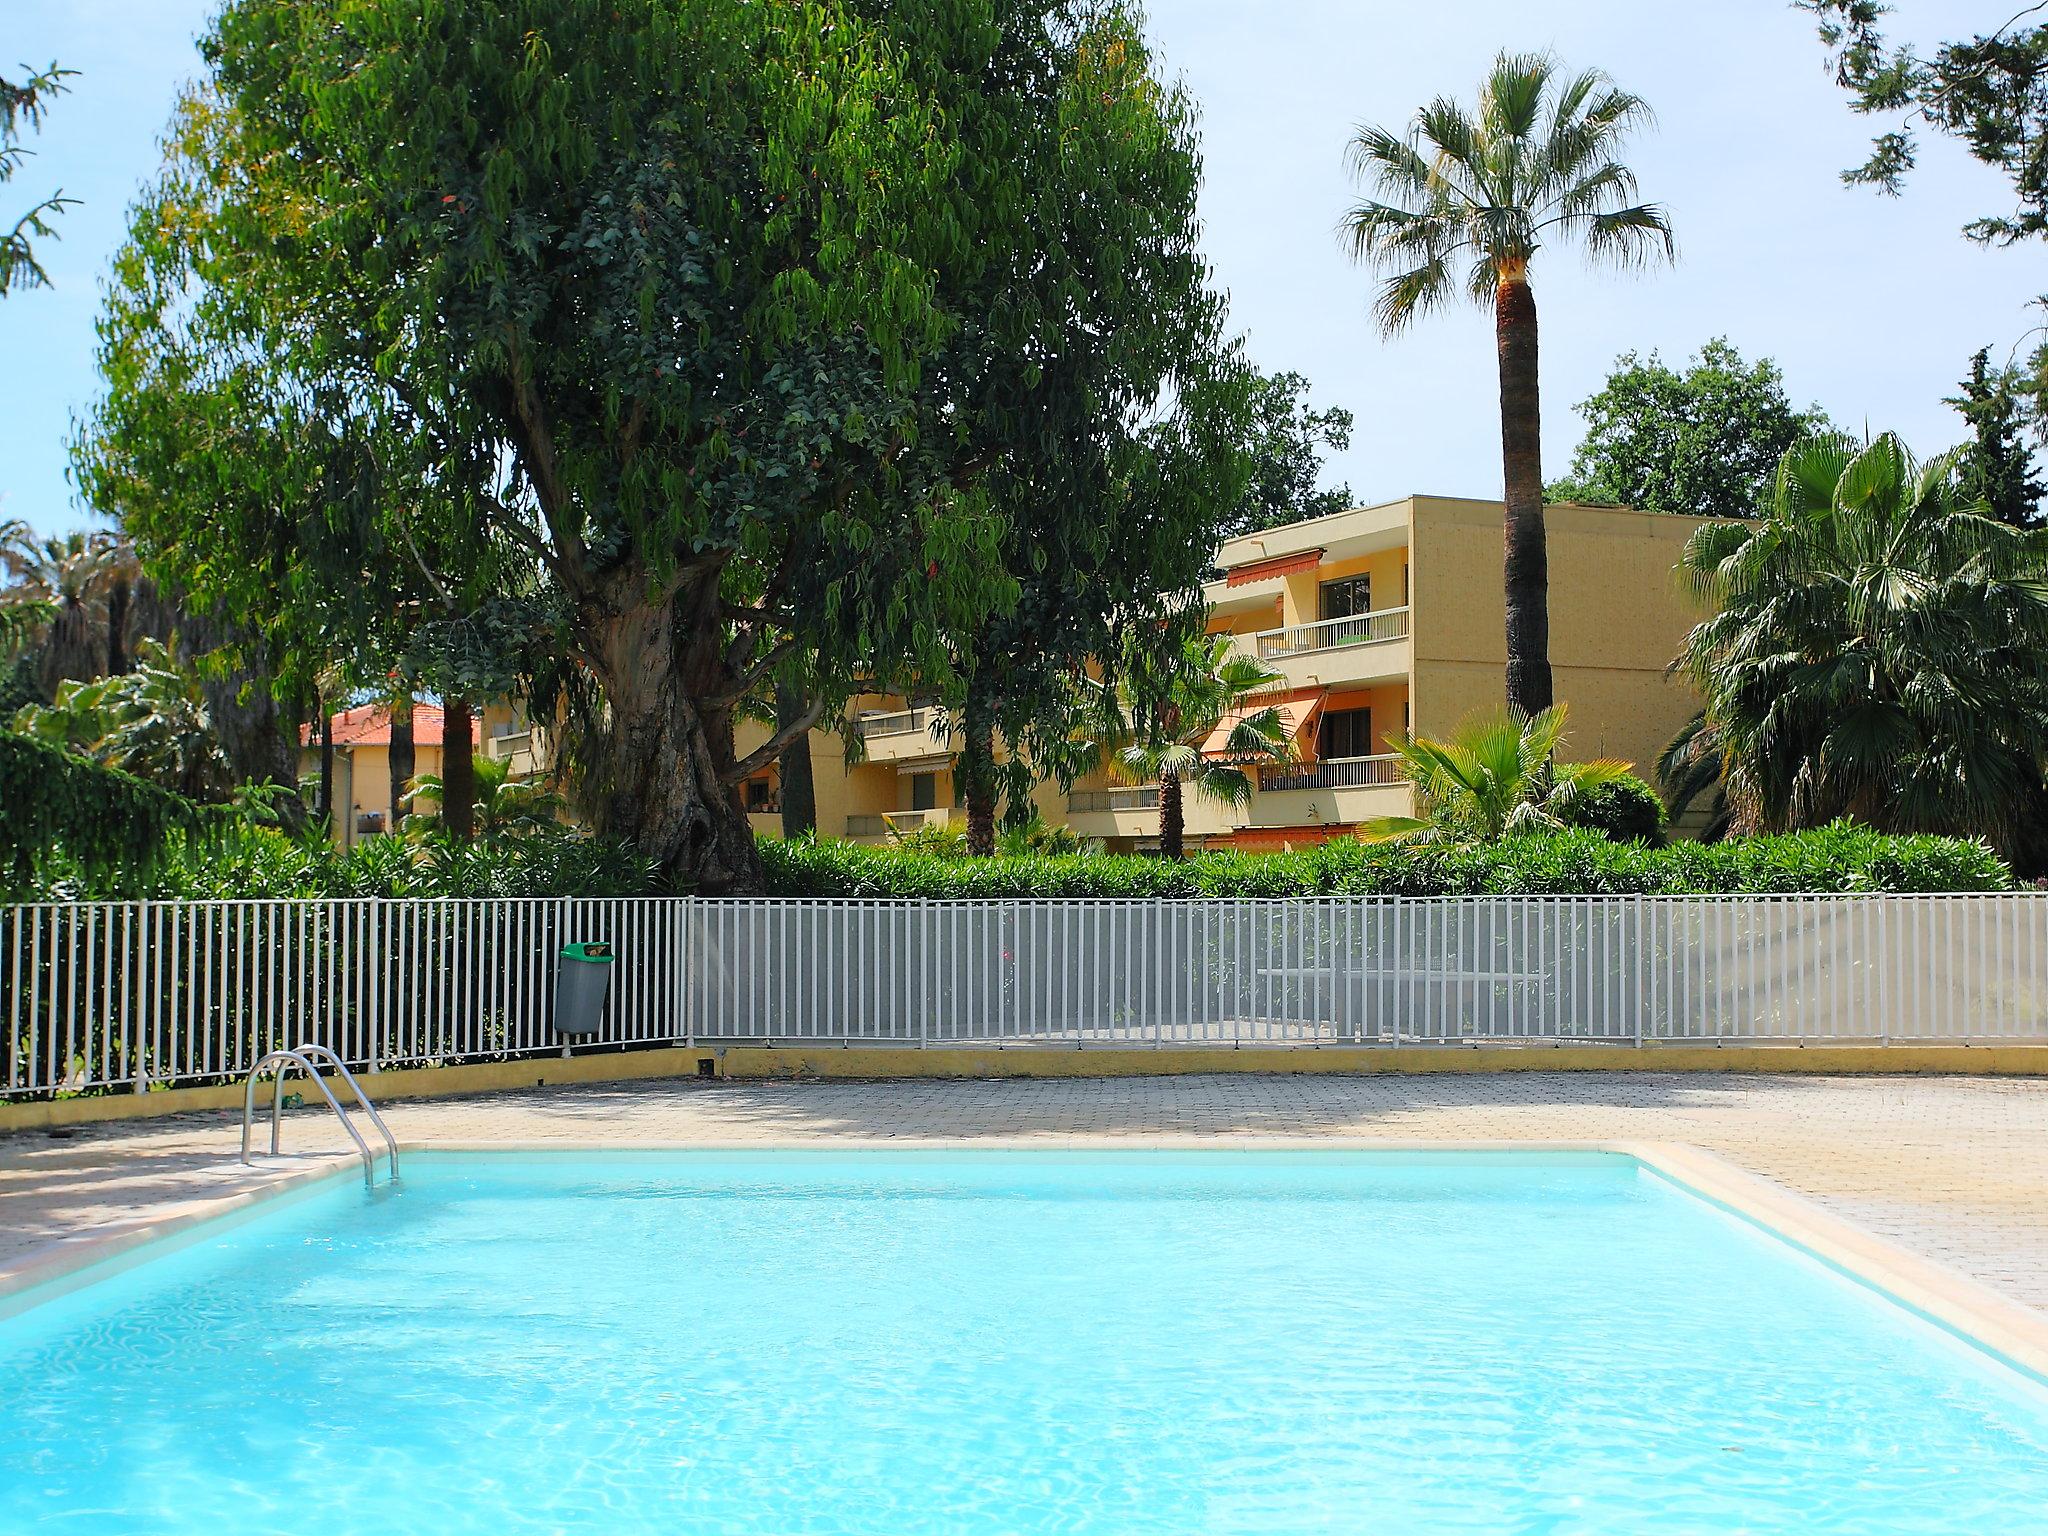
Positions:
{"x": 62, "y": 814}
{"x": 1840, "y": 858}
{"x": 244, "y": 862}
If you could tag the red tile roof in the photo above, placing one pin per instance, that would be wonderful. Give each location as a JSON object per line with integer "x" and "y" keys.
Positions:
{"x": 370, "y": 726}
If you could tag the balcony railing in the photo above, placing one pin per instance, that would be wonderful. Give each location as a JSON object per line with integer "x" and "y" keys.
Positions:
{"x": 1330, "y": 634}
{"x": 1339, "y": 773}
{"x": 1086, "y": 802}
{"x": 901, "y": 723}
{"x": 899, "y": 821}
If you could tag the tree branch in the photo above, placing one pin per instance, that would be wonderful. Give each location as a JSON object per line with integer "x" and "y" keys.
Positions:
{"x": 536, "y": 448}
{"x": 744, "y": 683}
{"x": 771, "y": 749}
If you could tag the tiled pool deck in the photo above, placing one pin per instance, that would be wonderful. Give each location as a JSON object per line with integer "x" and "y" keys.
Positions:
{"x": 1954, "y": 1169}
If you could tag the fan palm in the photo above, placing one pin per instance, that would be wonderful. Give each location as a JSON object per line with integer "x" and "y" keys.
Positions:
{"x": 504, "y": 806}
{"x": 1493, "y": 778}
{"x": 1536, "y": 162}
{"x": 1880, "y": 652}
{"x": 1166, "y": 713}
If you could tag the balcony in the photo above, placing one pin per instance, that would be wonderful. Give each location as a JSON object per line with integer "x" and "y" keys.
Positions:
{"x": 1338, "y": 773}
{"x": 524, "y": 753}
{"x": 1095, "y": 802}
{"x": 897, "y": 821}
{"x": 1362, "y": 650}
{"x": 898, "y": 734}
{"x": 1331, "y": 634}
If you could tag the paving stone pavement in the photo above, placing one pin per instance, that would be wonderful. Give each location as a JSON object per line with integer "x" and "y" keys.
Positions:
{"x": 1953, "y": 1168}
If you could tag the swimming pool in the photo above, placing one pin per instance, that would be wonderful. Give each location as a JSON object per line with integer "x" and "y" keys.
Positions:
{"x": 1004, "y": 1343}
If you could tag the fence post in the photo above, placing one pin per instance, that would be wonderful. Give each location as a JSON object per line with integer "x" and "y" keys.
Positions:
{"x": 1636, "y": 948}
{"x": 680, "y": 908}
{"x": 924, "y": 973}
{"x": 139, "y": 991}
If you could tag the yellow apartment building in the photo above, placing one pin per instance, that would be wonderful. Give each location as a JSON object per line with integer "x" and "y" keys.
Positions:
{"x": 362, "y": 758}
{"x": 1381, "y": 619}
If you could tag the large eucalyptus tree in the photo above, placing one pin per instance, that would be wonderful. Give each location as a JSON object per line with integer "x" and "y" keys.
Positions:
{"x": 681, "y": 300}
{"x": 1536, "y": 162}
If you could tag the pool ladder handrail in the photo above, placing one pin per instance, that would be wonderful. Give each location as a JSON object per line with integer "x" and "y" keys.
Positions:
{"x": 304, "y": 1055}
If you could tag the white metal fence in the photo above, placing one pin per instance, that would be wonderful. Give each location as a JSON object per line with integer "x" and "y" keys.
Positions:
{"x": 127, "y": 995}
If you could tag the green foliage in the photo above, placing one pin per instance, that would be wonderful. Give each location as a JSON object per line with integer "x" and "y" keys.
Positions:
{"x": 1996, "y": 466}
{"x": 1880, "y": 652}
{"x": 1115, "y": 414}
{"x": 59, "y": 811}
{"x": 710, "y": 321}
{"x": 1287, "y": 458}
{"x": 155, "y": 722}
{"x": 1496, "y": 776}
{"x": 938, "y": 840}
{"x": 1986, "y": 91}
{"x": 59, "y": 601}
{"x": 240, "y": 859}
{"x": 1153, "y": 729}
{"x": 19, "y": 685}
{"x": 1624, "y": 809}
{"x": 1838, "y": 858}
{"x": 503, "y": 808}
{"x": 1704, "y": 442}
{"x": 22, "y": 105}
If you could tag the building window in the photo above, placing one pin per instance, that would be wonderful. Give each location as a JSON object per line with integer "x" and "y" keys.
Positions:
{"x": 924, "y": 791}
{"x": 760, "y": 796}
{"x": 1345, "y": 733}
{"x": 1344, "y": 599}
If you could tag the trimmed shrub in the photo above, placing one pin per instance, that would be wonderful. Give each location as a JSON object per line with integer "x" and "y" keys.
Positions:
{"x": 1837, "y": 859}
{"x": 1626, "y": 811}
{"x": 250, "y": 862}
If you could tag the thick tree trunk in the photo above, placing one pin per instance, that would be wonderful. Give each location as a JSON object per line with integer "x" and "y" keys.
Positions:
{"x": 117, "y": 628}
{"x": 799, "y": 789}
{"x": 1527, "y": 566}
{"x": 401, "y": 756}
{"x": 458, "y": 769}
{"x": 669, "y": 748}
{"x": 1172, "y": 818}
{"x": 978, "y": 775}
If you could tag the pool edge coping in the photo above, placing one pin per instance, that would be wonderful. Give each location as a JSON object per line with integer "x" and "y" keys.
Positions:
{"x": 2007, "y": 1329}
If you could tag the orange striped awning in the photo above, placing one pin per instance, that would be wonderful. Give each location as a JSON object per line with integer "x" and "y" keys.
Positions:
{"x": 1298, "y": 711}
{"x": 1277, "y": 565}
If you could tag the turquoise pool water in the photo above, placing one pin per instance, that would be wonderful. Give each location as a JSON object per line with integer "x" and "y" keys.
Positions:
{"x": 1004, "y": 1344}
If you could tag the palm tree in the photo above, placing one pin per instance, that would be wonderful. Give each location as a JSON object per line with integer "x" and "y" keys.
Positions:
{"x": 503, "y": 806}
{"x": 1168, "y": 710}
{"x": 1493, "y": 778}
{"x": 1536, "y": 162}
{"x": 1880, "y": 652}
{"x": 78, "y": 588}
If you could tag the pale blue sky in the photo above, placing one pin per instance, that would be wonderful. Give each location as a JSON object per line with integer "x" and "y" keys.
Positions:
{"x": 1873, "y": 306}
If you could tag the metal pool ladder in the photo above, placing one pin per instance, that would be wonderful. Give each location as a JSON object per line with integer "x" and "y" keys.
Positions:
{"x": 305, "y": 1056}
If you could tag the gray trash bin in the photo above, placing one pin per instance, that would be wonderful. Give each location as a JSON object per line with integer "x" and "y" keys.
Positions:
{"x": 585, "y": 975}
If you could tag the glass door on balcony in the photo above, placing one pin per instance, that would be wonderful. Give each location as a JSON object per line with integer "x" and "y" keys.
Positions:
{"x": 1344, "y": 733}
{"x": 1344, "y": 599}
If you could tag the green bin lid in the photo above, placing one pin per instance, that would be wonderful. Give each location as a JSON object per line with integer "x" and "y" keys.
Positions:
{"x": 599, "y": 952}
